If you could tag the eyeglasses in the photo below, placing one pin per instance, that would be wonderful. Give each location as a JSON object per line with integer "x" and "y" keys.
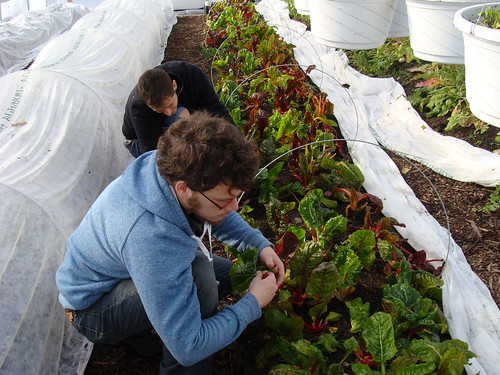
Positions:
{"x": 218, "y": 205}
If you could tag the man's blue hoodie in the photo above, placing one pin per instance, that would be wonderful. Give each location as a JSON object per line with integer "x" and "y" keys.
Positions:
{"x": 137, "y": 229}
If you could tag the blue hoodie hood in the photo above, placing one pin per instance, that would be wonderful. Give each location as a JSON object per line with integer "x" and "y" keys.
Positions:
{"x": 145, "y": 186}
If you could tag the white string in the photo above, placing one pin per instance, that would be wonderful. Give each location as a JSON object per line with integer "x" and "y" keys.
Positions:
{"x": 206, "y": 228}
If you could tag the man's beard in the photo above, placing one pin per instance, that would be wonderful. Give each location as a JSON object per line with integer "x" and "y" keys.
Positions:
{"x": 194, "y": 203}
{"x": 213, "y": 223}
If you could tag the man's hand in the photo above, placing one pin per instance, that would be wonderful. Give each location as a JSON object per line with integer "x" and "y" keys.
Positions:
{"x": 184, "y": 113}
{"x": 268, "y": 258}
{"x": 263, "y": 287}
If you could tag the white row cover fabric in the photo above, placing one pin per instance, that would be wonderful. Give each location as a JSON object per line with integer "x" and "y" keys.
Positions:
{"x": 60, "y": 146}
{"x": 11, "y": 8}
{"x": 472, "y": 314}
{"x": 23, "y": 37}
{"x": 32, "y": 246}
{"x": 88, "y": 3}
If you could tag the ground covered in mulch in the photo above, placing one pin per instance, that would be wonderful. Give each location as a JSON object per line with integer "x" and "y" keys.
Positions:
{"x": 474, "y": 232}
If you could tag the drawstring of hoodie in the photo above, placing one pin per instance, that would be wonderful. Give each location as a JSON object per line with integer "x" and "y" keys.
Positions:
{"x": 206, "y": 228}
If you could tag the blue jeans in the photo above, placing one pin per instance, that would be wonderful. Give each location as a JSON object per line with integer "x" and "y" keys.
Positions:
{"x": 120, "y": 314}
{"x": 133, "y": 144}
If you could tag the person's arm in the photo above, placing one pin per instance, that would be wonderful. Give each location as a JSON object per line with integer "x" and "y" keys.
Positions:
{"x": 184, "y": 113}
{"x": 159, "y": 263}
{"x": 236, "y": 232}
{"x": 148, "y": 126}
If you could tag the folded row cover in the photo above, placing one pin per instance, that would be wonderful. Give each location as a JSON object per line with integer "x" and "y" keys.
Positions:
{"x": 60, "y": 146}
{"x": 25, "y": 35}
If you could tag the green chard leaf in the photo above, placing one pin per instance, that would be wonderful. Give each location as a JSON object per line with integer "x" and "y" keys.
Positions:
{"x": 388, "y": 251}
{"x": 348, "y": 265}
{"x": 351, "y": 173}
{"x": 304, "y": 261}
{"x": 359, "y": 313}
{"x": 327, "y": 342}
{"x": 308, "y": 209}
{"x": 335, "y": 225}
{"x": 244, "y": 270}
{"x": 288, "y": 370}
{"x": 379, "y": 337}
{"x": 289, "y": 327}
{"x": 449, "y": 356}
{"x": 421, "y": 369}
{"x": 317, "y": 310}
{"x": 405, "y": 275}
{"x": 323, "y": 282}
{"x": 364, "y": 241}
{"x": 404, "y": 293}
{"x": 401, "y": 362}
{"x": 308, "y": 349}
{"x": 425, "y": 280}
{"x": 362, "y": 369}
{"x": 350, "y": 345}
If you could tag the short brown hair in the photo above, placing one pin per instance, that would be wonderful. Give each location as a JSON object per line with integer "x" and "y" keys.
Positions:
{"x": 204, "y": 151}
{"x": 154, "y": 86}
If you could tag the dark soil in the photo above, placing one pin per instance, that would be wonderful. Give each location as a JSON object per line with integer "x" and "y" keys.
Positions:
{"x": 475, "y": 233}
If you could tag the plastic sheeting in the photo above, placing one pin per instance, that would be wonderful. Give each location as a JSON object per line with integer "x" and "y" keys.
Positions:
{"x": 374, "y": 112}
{"x": 32, "y": 248}
{"x": 64, "y": 146}
{"x": 24, "y": 36}
{"x": 88, "y": 3}
{"x": 11, "y": 8}
{"x": 60, "y": 146}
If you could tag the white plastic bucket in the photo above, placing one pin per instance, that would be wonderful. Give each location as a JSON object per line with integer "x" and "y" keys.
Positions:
{"x": 432, "y": 35}
{"x": 302, "y": 6}
{"x": 482, "y": 64}
{"x": 188, "y": 4}
{"x": 361, "y": 24}
{"x": 399, "y": 26}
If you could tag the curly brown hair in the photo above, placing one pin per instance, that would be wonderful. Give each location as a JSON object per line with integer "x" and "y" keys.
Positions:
{"x": 204, "y": 151}
{"x": 154, "y": 86}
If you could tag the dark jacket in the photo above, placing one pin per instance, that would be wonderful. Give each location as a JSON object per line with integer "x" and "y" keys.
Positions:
{"x": 194, "y": 91}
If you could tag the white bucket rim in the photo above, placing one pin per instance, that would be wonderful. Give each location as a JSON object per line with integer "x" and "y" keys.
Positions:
{"x": 311, "y": 2}
{"x": 462, "y": 21}
{"x": 448, "y": 1}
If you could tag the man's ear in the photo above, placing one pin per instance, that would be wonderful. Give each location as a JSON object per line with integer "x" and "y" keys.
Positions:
{"x": 182, "y": 190}
{"x": 183, "y": 193}
{"x": 174, "y": 84}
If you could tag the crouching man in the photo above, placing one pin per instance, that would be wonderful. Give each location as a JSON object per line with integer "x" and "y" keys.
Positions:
{"x": 137, "y": 261}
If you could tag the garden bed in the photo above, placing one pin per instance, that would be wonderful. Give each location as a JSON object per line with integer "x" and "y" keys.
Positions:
{"x": 475, "y": 232}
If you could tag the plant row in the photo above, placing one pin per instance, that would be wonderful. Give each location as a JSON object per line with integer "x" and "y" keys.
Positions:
{"x": 328, "y": 231}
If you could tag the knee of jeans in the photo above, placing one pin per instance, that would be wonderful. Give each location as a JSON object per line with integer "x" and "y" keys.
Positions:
{"x": 84, "y": 325}
{"x": 206, "y": 284}
{"x": 208, "y": 295}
